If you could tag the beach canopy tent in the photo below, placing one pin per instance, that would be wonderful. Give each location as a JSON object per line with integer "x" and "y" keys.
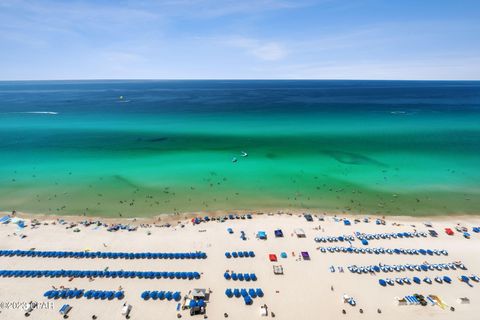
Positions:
{"x": 305, "y": 255}
{"x": 300, "y": 233}
{"x": 198, "y": 294}
{"x": 272, "y": 257}
{"x": 230, "y": 230}
{"x": 262, "y": 235}
{"x": 449, "y": 231}
{"x": 277, "y": 270}
{"x": 308, "y": 217}
{"x": 278, "y": 233}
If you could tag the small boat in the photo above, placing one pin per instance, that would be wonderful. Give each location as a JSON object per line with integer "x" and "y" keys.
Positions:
{"x": 244, "y": 154}
{"x": 234, "y": 159}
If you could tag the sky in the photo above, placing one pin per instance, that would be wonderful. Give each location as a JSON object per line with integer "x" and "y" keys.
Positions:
{"x": 239, "y": 39}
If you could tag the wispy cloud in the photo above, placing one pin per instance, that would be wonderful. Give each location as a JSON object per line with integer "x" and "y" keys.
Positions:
{"x": 260, "y": 49}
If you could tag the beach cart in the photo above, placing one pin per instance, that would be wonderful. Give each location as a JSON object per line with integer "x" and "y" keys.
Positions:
{"x": 127, "y": 308}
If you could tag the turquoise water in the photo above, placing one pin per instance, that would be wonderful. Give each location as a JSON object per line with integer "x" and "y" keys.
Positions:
{"x": 378, "y": 147}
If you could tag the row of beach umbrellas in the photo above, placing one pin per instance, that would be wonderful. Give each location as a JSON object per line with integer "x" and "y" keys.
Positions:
{"x": 406, "y": 267}
{"x": 161, "y": 295}
{"x": 417, "y": 280}
{"x": 79, "y": 293}
{"x": 392, "y": 235}
{"x": 103, "y": 255}
{"x": 240, "y": 254}
{"x": 247, "y": 294}
{"x": 240, "y": 276}
{"x": 385, "y": 251}
{"x": 98, "y": 274}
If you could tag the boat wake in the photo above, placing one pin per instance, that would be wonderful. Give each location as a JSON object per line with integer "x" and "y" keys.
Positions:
{"x": 36, "y": 112}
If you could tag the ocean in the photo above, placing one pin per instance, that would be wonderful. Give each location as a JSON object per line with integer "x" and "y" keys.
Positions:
{"x": 142, "y": 148}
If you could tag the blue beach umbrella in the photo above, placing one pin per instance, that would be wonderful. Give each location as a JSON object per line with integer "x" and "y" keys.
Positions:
{"x": 177, "y": 296}
{"x": 119, "y": 295}
{"x": 161, "y": 295}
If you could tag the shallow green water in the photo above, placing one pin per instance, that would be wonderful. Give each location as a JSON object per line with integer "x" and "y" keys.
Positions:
{"x": 361, "y": 147}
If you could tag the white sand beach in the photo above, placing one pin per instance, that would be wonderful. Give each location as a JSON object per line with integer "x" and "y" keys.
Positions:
{"x": 307, "y": 289}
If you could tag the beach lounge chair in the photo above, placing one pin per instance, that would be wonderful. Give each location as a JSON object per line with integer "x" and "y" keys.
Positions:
{"x": 64, "y": 310}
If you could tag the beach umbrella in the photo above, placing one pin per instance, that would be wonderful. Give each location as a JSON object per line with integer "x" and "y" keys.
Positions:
{"x": 240, "y": 277}
{"x": 161, "y": 295}
{"x": 244, "y": 292}
{"x": 201, "y": 303}
{"x": 253, "y": 276}
{"x": 154, "y": 295}
{"x": 236, "y": 292}
{"x": 464, "y": 279}
{"x": 234, "y": 276}
{"x": 417, "y": 280}
{"x": 248, "y": 300}
{"x": 227, "y": 276}
{"x": 252, "y": 293}
{"x": 251, "y": 254}
{"x": 145, "y": 295}
{"x": 196, "y": 275}
{"x": 229, "y": 293}
{"x": 234, "y": 254}
{"x": 177, "y": 296}
{"x": 47, "y": 293}
{"x": 259, "y": 292}
{"x": 120, "y": 295}
{"x": 169, "y": 295}
{"x": 246, "y": 276}
{"x": 382, "y": 282}
{"x": 192, "y": 303}
{"x": 430, "y": 252}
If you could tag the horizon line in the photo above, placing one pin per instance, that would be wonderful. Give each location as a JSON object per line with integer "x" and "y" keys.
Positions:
{"x": 231, "y": 79}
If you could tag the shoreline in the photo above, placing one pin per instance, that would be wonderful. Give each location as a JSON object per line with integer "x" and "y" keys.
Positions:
{"x": 178, "y": 217}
